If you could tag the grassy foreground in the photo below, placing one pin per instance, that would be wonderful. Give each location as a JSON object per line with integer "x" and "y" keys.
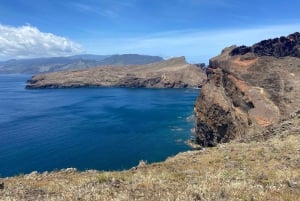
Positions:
{"x": 266, "y": 170}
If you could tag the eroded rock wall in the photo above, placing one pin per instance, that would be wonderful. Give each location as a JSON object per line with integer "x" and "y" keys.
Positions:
{"x": 245, "y": 94}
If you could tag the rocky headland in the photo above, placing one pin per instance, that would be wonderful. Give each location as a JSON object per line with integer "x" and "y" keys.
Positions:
{"x": 249, "y": 89}
{"x": 173, "y": 73}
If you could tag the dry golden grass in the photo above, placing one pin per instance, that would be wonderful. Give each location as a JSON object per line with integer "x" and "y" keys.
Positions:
{"x": 267, "y": 170}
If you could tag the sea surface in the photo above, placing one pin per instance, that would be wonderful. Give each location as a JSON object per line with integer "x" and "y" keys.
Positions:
{"x": 90, "y": 128}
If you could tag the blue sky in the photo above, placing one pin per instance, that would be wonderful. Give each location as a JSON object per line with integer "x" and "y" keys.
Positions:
{"x": 197, "y": 29}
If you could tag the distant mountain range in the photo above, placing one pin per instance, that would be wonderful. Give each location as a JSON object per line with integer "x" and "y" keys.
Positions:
{"x": 53, "y": 64}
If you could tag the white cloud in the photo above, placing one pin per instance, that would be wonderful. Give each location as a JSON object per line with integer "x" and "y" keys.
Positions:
{"x": 29, "y": 42}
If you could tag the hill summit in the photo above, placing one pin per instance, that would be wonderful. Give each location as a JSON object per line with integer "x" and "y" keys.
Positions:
{"x": 277, "y": 47}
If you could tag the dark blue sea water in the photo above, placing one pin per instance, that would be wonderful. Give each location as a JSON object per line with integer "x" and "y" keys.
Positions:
{"x": 89, "y": 128}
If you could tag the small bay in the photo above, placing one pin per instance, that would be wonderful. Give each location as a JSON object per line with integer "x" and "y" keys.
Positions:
{"x": 90, "y": 128}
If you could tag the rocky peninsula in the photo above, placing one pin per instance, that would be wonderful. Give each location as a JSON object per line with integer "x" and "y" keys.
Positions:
{"x": 173, "y": 73}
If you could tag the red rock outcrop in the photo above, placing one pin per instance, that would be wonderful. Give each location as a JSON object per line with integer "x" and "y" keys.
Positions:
{"x": 245, "y": 94}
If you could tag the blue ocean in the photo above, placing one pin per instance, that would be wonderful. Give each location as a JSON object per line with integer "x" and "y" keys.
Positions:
{"x": 90, "y": 128}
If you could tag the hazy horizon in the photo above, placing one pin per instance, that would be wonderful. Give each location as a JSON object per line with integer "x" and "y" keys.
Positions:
{"x": 196, "y": 29}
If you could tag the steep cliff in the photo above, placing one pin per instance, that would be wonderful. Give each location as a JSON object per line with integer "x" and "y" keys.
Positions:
{"x": 173, "y": 73}
{"x": 249, "y": 89}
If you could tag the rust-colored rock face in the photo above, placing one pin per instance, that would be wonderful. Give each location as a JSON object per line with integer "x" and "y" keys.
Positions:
{"x": 244, "y": 94}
